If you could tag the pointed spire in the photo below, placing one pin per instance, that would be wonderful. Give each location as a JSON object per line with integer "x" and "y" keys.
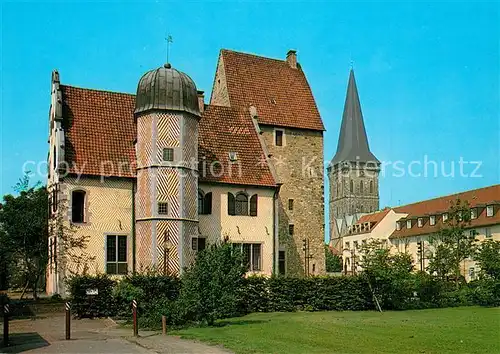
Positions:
{"x": 353, "y": 142}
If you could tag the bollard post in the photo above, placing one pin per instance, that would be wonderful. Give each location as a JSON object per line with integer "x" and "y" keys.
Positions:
{"x": 67, "y": 308}
{"x": 6, "y": 312}
{"x": 164, "y": 324}
{"x": 134, "y": 317}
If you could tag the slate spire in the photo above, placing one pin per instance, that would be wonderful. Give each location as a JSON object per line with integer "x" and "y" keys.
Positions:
{"x": 353, "y": 142}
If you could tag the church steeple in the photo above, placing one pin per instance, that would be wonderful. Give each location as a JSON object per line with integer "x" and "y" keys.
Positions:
{"x": 353, "y": 142}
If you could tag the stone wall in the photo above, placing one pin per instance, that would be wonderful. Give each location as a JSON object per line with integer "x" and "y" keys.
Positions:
{"x": 220, "y": 94}
{"x": 299, "y": 166}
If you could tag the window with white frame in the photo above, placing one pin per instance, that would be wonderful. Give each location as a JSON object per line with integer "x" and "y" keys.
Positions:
{"x": 487, "y": 232}
{"x": 420, "y": 222}
{"x": 252, "y": 255}
{"x": 346, "y": 245}
{"x": 489, "y": 210}
{"x": 355, "y": 243}
{"x": 116, "y": 254}
{"x": 445, "y": 217}
{"x": 398, "y": 225}
{"x": 432, "y": 220}
{"x": 408, "y": 224}
{"x": 473, "y": 213}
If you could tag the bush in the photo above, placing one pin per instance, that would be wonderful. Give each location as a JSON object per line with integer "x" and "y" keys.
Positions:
{"x": 485, "y": 292}
{"x": 100, "y": 305}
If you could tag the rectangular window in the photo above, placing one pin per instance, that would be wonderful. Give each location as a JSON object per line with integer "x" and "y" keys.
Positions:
{"x": 408, "y": 224}
{"x": 398, "y": 225}
{"x": 291, "y": 229}
{"x": 489, "y": 210}
{"x": 163, "y": 208}
{"x": 432, "y": 220}
{"x": 290, "y": 204}
{"x": 168, "y": 154}
{"x": 473, "y": 213}
{"x": 281, "y": 262}
{"x": 116, "y": 254}
{"x": 278, "y": 137}
{"x": 420, "y": 222}
{"x": 445, "y": 217}
{"x": 355, "y": 243}
{"x": 252, "y": 255}
{"x": 202, "y": 243}
{"x": 472, "y": 233}
{"x": 194, "y": 243}
{"x": 487, "y": 232}
{"x": 346, "y": 245}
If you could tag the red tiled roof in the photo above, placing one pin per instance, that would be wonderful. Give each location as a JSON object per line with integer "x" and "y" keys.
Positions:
{"x": 100, "y": 133}
{"x": 374, "y": 217}
{"x": 224, "y": 130}
{"x": 280, "y": 93}
{"x": 476, "y": 198}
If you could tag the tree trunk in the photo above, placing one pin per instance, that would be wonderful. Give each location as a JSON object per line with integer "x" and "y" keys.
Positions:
{"x": 25, "y": 288}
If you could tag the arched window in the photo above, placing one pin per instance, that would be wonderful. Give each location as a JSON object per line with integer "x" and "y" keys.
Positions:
{"x": 204, "y": 203}
{"x": 371, "y": 186}
{"x": 241, "y": 204}
{"x": 351, "y": 187}
{"x": 361, "y": 187}
{"x": 253, "y": 205}
{"x": 78, "y": 206}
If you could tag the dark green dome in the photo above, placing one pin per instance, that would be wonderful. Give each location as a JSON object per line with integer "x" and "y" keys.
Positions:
{"x": 166, "y": 88}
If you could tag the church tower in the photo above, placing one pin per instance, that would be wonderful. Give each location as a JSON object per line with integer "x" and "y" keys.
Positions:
{"x": 166, "y": 216}
{"x": 353, "y": 171}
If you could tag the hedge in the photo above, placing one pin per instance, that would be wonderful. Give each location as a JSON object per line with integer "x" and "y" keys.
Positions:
{"x": 100, "y": 305}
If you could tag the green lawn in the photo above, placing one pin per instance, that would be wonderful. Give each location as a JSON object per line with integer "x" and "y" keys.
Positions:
{"x": 451, "y": 330}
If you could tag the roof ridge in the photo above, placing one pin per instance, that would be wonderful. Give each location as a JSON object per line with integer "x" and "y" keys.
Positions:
{"x": 446, "y": 196}
{"x": 252, "y": 55}
{"x": 98, "y": 90}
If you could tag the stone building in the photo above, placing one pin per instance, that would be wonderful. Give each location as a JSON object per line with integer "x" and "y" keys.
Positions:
{"x": 408, "y": 228}
{"x": 150, "y": 179}
{"x": 353, "y": 171}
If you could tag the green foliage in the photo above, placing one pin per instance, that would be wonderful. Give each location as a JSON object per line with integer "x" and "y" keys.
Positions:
{"x": 23, "y": 236}
{"x": 333, "y": 262}
{"x": 100, "y": 305}
{"x": 211, "y": 287}
{"x": 389, "y": 275}
{"x": 453, "y": 243}
{"x": 488, "y": 258}
{"x": 305, "y": 294}
{"x": 485, "y": 292}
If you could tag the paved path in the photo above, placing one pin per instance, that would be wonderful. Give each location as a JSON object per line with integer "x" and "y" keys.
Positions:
{"x": 47, "y": 335}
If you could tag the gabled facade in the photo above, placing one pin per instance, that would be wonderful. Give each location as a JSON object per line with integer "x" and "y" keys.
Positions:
{"x": 152, "y": 178}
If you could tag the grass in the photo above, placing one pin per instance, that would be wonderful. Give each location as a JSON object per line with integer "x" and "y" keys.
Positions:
{"x": 450, "y": 330}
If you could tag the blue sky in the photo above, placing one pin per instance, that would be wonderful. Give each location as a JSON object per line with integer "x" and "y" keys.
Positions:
{"x": 427, "y": 74}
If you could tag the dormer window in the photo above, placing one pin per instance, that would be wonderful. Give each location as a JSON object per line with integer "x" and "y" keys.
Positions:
{"x": 489, "y": 210}
{"x": 398, "y": 225}
{"x": 408, "y": 224}
{"x": 233, "y": 156}
{"x": 473, "y": 213}
{"x": 432, "y": 220}
{"x": 346, "y": 245}
{"x": 420, "y": 222}
{"x": 445, "y": 217}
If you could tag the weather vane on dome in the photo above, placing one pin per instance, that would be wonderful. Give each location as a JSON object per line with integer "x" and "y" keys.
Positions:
{"x": 168, "y": 40}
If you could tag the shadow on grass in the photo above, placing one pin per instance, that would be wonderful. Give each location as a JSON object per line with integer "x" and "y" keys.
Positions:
{"x": 20, "y": 342}
{"x": 239, "y": 323}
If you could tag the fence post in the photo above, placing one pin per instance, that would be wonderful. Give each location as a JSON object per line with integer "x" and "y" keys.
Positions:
{"x": 67, "y": 308}
{"x": 6, "y": 312}
{"x": 134, "y": 317}
{"x": 164, "y": 324}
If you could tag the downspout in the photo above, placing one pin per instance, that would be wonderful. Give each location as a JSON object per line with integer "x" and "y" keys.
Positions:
{"x": 276, "y": 228}
{"x": 133, "y": 229}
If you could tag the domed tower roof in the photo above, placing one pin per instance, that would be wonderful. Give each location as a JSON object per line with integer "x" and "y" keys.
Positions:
{"x": 167, "y": 89}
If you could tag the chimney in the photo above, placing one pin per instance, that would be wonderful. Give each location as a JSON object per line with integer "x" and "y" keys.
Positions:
{"x": 291, "y": 58}
{"x": 201, "y": 100}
